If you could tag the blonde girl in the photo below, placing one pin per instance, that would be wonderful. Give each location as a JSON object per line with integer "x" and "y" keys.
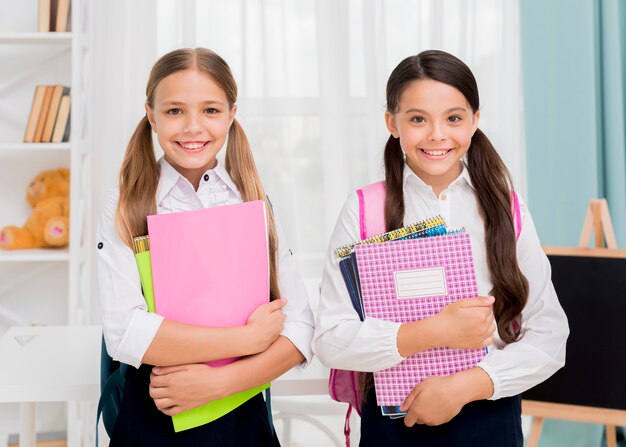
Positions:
{"x": 191, "y": 107}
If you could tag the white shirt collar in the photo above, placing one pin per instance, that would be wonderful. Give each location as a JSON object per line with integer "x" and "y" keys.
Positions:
{"x": 221, "y": 172}
{"x": 409, "y": 176}
{"x": 170, "y": 177}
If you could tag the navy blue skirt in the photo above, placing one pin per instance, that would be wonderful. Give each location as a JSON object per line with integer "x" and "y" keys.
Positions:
{"x": 483, "y": 423}
{"x": 140, "y": 423}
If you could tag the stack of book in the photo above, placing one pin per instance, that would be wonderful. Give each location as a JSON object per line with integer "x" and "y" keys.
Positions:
{"x": 54, "y": 15}
{"x": 49, "y": 119}
{"x": 207, "y": 267}
{"x": 407, "y": 275}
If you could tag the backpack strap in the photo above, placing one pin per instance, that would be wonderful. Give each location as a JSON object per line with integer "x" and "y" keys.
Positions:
{"x": 516, "y": 324}
{"x": 372, "y": 209}
{"x": 109, "y": 401}
{"x": 268, "y": 408}
{"x": 113, "y": 383}
{"x": 371, "y": 222}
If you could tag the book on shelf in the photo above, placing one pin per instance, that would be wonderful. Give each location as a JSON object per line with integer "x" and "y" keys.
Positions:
{"x": 57, "y": 93}
{"x": 54, "y": 16}
{"x": 35, "y": 111}
{"x": 63, "y": 21}
{"x": 62, "y": 125}
{"x": 44, "y": 12}
{"x": 43, "y": 114}
{"x": 49, "y": 118}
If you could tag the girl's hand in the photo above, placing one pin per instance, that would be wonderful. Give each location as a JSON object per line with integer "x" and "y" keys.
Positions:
{"x": 265, "y": 325}
{"x": 467, "y": 323}
{"x": 435, "y": 401}
{"x": 175, "y": 389}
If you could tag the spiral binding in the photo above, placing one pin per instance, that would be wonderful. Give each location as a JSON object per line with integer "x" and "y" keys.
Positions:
{"x": 418, "y": 229}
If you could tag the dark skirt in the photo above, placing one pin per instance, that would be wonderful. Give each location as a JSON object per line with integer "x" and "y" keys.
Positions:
{"x": 140, "y": 423}
{"x": 482, "y": 423}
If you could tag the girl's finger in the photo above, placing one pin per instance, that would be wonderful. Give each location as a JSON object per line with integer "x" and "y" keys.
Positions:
{"x": 410, "y": 420}
{"x": 171, "y": 411}
{"x": 157, "y": 392}
{"x": 278, "y": 304}
{"x": 162, "y": 370}
{"x": 410, "y": 398}
{"x": 164, "y": 403}
{"x": 158, "y": 381}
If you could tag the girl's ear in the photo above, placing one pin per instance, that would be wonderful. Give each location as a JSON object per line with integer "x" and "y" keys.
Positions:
{"x": 150, "y": 115}
{"x": 390, "y": 121}
{"x": 476, "y": 120}
{"x": 233, "y": 113}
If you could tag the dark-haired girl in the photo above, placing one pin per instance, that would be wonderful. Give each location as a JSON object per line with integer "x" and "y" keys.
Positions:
{"x": 438, "y": 161}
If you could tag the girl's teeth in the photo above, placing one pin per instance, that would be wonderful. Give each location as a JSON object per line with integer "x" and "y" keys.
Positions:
{"x": 192, "y": 146}
{"x": 436, "y": 153}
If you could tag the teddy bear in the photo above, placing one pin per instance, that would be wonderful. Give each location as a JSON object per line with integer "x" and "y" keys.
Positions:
{"x": 48, "y": 224}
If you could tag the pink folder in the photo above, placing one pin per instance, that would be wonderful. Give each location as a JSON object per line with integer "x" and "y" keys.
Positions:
{"x": 210, "y": 267}
{"x": 410, "y": 280}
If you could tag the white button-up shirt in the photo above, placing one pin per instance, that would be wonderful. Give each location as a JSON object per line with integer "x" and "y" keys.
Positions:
{"x": 127, "y": 326}
{"x": 342, "y": 341}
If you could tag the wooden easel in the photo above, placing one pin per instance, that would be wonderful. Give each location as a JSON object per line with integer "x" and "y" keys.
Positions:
{"x": 598, "y": 221}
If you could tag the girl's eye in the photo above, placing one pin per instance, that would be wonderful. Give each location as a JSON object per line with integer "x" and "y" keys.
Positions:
{"x": 454, "y": 119}
{"x": 417, "y": 119}
{"x": 174, "y": 112}
{"x": 211, "y": 111}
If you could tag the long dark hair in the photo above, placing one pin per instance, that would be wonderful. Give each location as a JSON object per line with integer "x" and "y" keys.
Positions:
{"x": 489, "y": 175}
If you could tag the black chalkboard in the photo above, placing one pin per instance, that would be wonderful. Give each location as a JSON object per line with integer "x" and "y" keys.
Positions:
{"x": 592, "y": 291}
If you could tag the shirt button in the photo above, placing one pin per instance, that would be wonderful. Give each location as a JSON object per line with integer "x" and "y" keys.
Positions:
{"x": 206, "y": 177}
{"x": 443, "y": 197}
{"x": 100, "y": 245}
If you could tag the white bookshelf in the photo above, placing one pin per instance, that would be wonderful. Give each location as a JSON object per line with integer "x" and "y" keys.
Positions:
{"x": 36, "y": 38}
{"x": 5, "y": 147}
{"x": 35, "y": 255}
{"x": 45, "y": 286}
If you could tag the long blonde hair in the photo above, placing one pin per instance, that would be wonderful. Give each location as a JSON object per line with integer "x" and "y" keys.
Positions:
{"x": 139, "y": 175}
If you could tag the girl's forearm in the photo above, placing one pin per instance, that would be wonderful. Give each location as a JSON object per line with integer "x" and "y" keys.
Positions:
{"x": 473, "y": 384}
{"x": 262, "y": 368}
{"x": 177, "y": 343}
{"x": 417, "y": 336}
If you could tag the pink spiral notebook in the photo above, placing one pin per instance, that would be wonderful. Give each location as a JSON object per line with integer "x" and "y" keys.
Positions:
{"x": 410, "y": 280}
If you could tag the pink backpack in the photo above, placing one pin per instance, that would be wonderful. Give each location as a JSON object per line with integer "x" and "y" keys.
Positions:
{"x": 344, "y": 385}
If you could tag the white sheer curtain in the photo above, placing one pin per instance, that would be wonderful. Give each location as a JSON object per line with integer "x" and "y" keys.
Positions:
{"x": 123, "y": 47}
{"x": 312, "y": 77}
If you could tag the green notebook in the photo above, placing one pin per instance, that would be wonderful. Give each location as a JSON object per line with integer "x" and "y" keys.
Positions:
{"x": 208, "y": 412}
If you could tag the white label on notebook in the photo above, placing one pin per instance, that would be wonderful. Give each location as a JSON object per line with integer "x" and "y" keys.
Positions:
{"x": 420, "y": 283}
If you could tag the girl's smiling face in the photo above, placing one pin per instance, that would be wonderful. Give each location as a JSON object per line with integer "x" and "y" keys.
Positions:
{"x": 191, "y": 117}
{"x": 435, "y": 125}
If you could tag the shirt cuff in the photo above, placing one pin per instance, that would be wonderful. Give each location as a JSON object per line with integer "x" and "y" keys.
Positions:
{"x": 137, "y": 338}
{"x": 300, "y": 334}
{"x": 394, "y": 346}
{"x": 497, "y": 387}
